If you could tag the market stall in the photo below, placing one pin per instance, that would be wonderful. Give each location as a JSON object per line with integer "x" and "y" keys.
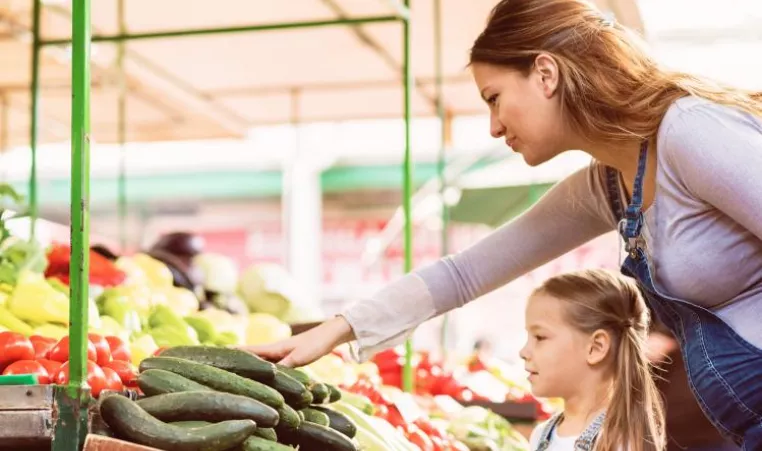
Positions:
{"x": 139, "y": 348}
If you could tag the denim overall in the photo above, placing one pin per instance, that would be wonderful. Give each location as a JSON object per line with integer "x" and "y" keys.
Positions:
{"x": 584, "y": 442}
{"x": 724, "y": 370}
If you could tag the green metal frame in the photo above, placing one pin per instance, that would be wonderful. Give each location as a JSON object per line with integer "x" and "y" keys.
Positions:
{"x": 71, "y": 424}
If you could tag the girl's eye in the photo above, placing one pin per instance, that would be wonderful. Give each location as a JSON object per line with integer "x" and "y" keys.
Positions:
{"x": 539, "y": 337}
{"x": 492, "y": 99}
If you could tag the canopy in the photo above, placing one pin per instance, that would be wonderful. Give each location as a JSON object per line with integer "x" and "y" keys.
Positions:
{"x": 220, "y": 85}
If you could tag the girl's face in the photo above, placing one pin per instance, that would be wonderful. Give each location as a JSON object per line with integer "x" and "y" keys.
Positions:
{"x": 524, "y": 110}
{"x": 556, "y": 355}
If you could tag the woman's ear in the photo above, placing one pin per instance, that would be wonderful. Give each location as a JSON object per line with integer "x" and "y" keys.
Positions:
{"x": 599, "y": 347}
{"x": 547, "y": 73}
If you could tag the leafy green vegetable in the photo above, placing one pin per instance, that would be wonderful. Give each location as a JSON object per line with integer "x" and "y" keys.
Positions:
{"x": 16, "y": 255}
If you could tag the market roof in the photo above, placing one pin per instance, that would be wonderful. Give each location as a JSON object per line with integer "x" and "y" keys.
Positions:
{"x": 214, "y": 86}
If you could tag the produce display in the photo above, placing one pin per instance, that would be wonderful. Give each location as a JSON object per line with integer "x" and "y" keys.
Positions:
{"x": 164, "y": 369}
{"x": 202, "y": 397}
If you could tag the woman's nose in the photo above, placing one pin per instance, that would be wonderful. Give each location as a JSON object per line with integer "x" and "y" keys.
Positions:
{"x": 496, "y": 129}
{"x": 524, "y": 352}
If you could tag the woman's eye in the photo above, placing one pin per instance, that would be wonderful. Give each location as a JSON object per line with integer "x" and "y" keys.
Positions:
{"x": 492, "y": 99}
{"x": 539, "y": 337}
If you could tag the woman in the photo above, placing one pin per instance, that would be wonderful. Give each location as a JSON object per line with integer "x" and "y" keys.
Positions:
{"x": 676, "y": 169}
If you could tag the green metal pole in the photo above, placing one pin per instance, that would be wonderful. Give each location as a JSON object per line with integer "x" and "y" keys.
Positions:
{"x": 73, "y": 400}
{"x": 34, "y": 116}
{"x": 442, "y": 161}
{"x": 408, "y": 381}
{"x": 122, "y": 132}
{"x": 80, "y": 191}
{"x": 225, "y": 30}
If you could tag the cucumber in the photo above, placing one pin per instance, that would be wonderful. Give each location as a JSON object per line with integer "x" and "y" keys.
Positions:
{"x": 289, "y": 418}
{"x": 297, "y": 374}
{"x": 301, "y": 414}
{"x": 191, "y": 424}
{"x": 316, "y": 416}
{"x": 130, "y": 422}
{"x": 314, "y": 437}
{"x": 159, "y": 382}
{"x": 262, "y": 444}
{"x": 267, "y": 433}
{"x": 235, "y": 361}
{"x": 335, "y": 393}
{"x": 294, "y": 392}
{"x": 320, "y": 393}
{"x": 338, "y": 421}
{"x": 208, "y": 406}
{"x": 215, "y": 378}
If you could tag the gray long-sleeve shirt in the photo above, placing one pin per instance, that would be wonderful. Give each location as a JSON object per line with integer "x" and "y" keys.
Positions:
{"x": 703, "y": 232}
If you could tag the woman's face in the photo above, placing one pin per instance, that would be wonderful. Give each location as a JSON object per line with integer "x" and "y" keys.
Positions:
{"x": 524, "y": 110}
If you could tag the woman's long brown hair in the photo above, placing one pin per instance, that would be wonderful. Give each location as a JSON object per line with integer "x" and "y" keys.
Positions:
{"x": 604, "y": 300}
{"x": 610, "y": 87}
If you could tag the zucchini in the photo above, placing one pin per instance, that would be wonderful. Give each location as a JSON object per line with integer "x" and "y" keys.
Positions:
{"x": 335, "y": 393}
{"x": 316, "y": 416}
{"x": 255, "y": 443}
{"x": 301, "y": 414}
{"x": 320, "y": 393}
{"x": 130, "y": 422}
{"x": 215, "y": 378}
{"x": 338, "y": 421}
{"x": 294, "y": 392}
{"x": 208, "y": 406}
{"x": 159, "y": 382}
{"x": 233, "y": 360}
{"x": 314, "y": 437}
{"x": 267, "y": 433}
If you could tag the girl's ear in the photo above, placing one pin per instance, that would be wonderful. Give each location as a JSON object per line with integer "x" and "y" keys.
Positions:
{"x": 599, "y": 347}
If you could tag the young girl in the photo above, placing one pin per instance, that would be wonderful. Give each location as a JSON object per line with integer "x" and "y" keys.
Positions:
{"x": 586, "y": 344}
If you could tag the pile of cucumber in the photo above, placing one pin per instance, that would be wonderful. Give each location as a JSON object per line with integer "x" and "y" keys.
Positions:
{"x": 199, "y": 398}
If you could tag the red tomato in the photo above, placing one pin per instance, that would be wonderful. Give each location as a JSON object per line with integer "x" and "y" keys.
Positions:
{"x": 60, "y": 352}
{"x": 126, "y": 372}
{"x": 29, "y": 367}
{"x": 102, "y": 348}
{"x": 394, "y": 417}
{"x": 112, "y": 380}
{"x": 14, "y": 347}
{"x": 457, "y": 445}
{"x": 419, "y": 438}
{"x": 119, "y": 349}
{"x": 95, "y": 377}
{"x": 429, "y": 428}
{"x": 42, "y": 345}
{"x": 51, "y": 366}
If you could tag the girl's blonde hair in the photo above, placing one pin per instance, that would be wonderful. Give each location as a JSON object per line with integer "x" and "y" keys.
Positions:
{"x": 610, "y": 88}
{"x": 604, "y": 300}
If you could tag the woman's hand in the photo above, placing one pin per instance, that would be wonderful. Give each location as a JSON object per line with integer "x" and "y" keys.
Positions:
{"x": 308, "y": 346}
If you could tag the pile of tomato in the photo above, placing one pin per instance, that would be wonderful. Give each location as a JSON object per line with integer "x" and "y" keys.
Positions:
{"x": 108, "y": 360}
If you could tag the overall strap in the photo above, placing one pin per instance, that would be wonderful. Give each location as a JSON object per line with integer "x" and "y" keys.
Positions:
{"x": 547, "y": 432}
{"x": 586, "y": 440}
{"x": 633, "y": 215}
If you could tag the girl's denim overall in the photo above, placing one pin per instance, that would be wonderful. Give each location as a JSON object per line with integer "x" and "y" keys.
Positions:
{"x": 724, "y": 370}
{"x": 585, "y": 441}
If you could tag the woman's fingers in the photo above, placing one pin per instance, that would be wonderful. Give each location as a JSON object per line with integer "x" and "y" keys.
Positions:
{"x": 273, "y": 351}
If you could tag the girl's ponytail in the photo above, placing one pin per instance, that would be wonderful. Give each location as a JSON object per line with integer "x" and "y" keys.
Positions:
{"x": 635, "y": 415}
